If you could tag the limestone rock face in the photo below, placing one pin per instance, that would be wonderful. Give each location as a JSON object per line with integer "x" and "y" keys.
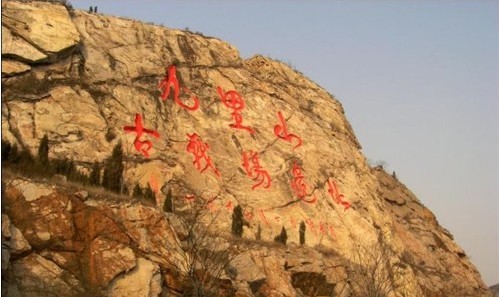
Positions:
{"x": 10, "y": 68}
{"x": 143, "y": 281}
{"x": 45, "y": 26}
{"x": 100, "y": 72}
{"x": 19, "y": 48}
{"x": 38, "y": 276}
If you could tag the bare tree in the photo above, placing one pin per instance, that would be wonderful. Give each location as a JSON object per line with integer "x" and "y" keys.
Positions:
{"x": 373, "y": 275}
{"x": 205, "y": 259}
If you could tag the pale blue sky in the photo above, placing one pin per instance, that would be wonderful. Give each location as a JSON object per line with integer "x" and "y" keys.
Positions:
{"x": 418, "y": 81}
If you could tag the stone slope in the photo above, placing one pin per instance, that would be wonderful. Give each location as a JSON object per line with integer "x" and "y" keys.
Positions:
{"x": 82, "y": 79}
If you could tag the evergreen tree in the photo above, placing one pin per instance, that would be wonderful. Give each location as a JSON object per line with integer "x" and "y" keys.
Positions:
{"x": 91, "y": 10}
{"x": 283, "y": 237}
{"x": 95, "y": 9}
{"x": 302, "y": 233}
{"x": 237, "y": 221}
{"x": 6, "y": 149}
{"x": 71, "y": 172}
{"x": 149, "y": 194}
{"x": 94, "y": 178}
{"x": 137, "y": 191}
{"x": 43, "y": 151}
{"x": 13, "y": 154}
{"x": 258, "y": 235}
{"x": 168, "y": 205}
{"x": 113, "y": 170}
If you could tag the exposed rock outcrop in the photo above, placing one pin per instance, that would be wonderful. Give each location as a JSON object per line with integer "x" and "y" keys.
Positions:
{"x": 81, "y": 79}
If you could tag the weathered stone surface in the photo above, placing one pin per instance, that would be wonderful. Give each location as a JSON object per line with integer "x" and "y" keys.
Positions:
{"x": 108, "y": 259}
{"x": 39, "y": 277}
{"x": 12, "y": 238}
{"x": 126, "y": 49}
{"x": 434, "y": 256}
{"x": 83, "y": 101}
{"x": 143, "y": 281}
{"x": 41, "y": 215}
{"x": 10, "y": 67}
{"x": 246, "y": 268}
{"x": 82, "y": 195}
{"x": 17, "y": 47}
{"x": 46, "y": 26}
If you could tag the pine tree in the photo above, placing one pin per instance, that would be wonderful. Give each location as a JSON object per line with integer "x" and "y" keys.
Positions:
{"x": 113, "y": 170}
{"x": 168, "y": 205}
{"x": 43, "y": 151}
{"x": 283, "y": 237}
{"x": 302, "y": 233}
{"x": 6, "y": 150}
{"x": 237, "y": 221}
{"x": 91, "y": 10}
{"x": 13, "y": 154}
{"x": 149, "y": 194}
{"x": 94, "y": 178}
{"x": 137, "y": 191}
{"x": 258, "y": 234}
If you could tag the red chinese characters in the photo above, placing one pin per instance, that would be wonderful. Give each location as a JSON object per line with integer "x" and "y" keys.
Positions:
{"x": 263, "y": 217}
{"x": 311, "y": 226}
{"x": 335, "y": 194}
{"x": 298, "y": 184}
{"x": 169, "y": 79}
{"x": 141, "y": 146}
{"x": 323, "y": 228}
{"x": 231, "y": 99}
{"x": 248, "y": 215}
{"x": 251, "y": 164}
{"x": 229, "y": 206}
{"x": 189, "y": 198}
{"x": 200, "y": 151}
{"x": 281, "y": 131}
{"x": 153, "y": 183}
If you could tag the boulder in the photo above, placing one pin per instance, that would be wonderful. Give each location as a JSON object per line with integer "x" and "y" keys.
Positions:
{"x": 142, "y": 281}
{"x": 39, "y": 277}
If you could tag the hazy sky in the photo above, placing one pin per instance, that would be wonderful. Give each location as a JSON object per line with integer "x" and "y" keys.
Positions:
{"x": 418, "y": 81}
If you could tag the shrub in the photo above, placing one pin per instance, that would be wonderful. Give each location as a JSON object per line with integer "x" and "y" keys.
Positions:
{"x": 237, "y": 221}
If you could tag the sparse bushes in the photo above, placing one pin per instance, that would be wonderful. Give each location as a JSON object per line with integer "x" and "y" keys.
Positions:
{"x": 371, "y": 272}
{"x": 283, "y": 237}
{"x": 237, "y": 221}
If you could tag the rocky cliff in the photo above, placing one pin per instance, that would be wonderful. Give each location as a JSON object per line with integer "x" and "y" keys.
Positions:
{"x": 215, "y": 130}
